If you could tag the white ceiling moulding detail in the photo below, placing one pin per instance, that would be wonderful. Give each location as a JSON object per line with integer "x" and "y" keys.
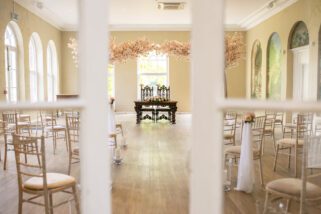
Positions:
{"x": 228, "y": 27}
{"x": 38, "y": 8}
{"x": 270, "y": 9}
{"x": 169, "y": 27}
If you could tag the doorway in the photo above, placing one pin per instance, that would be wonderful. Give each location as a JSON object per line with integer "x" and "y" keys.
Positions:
{"x": 301, "y": 89}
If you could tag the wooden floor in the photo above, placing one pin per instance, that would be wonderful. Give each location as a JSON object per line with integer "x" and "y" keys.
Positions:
{"x": 154, "y": 176}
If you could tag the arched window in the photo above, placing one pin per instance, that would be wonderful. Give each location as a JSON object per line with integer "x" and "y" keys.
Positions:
{"x": 299, "y": 36}
{"x": 11, "y": 55}
{"x": 273, "y": 77}
{"x": 256, "y": 70}
{"x": 152, "y": 70}
{"x": 35, "y": 68}
{"x": 52, "y": 72}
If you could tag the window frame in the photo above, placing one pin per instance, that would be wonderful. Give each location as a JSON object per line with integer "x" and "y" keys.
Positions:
{"x": 11, "y": 48}
{"x": 33, "y": 73}
{"x": 52, "y": 76}
{"x": 139, "y": 74}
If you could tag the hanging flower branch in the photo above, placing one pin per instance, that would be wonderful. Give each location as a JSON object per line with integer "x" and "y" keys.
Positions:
{"x": 129, "y": 50}
{"x": 234, "y": 46}
{"x": 234, "y": 49}
{"x": 73, "y": 45}
{"x": 175, "y": 48}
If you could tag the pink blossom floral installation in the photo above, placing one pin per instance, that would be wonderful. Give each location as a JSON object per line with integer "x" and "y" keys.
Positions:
{"x": 119, "y": 53}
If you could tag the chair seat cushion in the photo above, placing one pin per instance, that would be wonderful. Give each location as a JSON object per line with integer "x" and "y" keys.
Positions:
{"x": 56, "y": 127}
{"x": 236, "y": 150}
{"x": 228, "y": 136}
{"x": 75, "y": 151}
{"x": 293, "y": 186}
{"x": 289, "y": 141}
{"x": 54, "y": 180}
{"x": 25, "y": 123}
{"x": 290, "y": 126}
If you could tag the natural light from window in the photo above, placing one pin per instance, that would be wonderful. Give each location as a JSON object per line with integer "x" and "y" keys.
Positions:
{"x": 152, "y": 70}
{"x": 11, "y": 65}
{"x": 52, "y": 73}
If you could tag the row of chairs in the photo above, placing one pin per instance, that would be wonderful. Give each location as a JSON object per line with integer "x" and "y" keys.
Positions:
{"x": 28, "y": 142}
{"x": 45, "y": 125}
{"x": 295, "y": 137}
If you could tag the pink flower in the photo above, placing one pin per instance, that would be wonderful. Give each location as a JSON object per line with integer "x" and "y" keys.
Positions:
{"x": 249, "y": 117}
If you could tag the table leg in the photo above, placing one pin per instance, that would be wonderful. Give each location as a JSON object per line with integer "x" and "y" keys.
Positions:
{"x": 173, "y": 116}
{"x": 138, "y": 114}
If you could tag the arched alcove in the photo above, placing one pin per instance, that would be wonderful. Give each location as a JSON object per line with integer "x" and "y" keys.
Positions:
{"x": 299, "y": 35}
{"x": 256, "y": 70}
{"x": 273, "y": 72}
{"x": 298, "y": 62}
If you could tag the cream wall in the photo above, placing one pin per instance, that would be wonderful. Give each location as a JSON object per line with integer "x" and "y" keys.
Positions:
{"x": 236, "y": 75}
{"x": 28, "y": 23}
{"x": 308, "y": 11}
{"x": 69, "y": 76}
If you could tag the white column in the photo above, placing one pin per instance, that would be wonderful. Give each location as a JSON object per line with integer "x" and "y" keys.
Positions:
{"x": 95, "y": 167}
{"x": 207, "y": 85}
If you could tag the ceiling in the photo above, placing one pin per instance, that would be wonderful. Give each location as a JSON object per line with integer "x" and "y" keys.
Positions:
{"x": 143, "y": 14}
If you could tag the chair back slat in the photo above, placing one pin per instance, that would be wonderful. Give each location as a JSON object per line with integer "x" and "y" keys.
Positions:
{"x": 258, "y": 131}
{"x": 10, "y": 118}
{"x": 146, "y": 92}
{"x": 30, "y": 157}
{"x": 163, "y": 92}
{"x": 230, "y": 122}
{"x": 311, "y": 160}
{"x": 72, "y": 125}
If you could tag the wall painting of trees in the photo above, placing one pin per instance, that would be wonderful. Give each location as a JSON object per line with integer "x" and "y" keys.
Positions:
{"x": 273, "y": 79}
{"x": 256, "y": 76}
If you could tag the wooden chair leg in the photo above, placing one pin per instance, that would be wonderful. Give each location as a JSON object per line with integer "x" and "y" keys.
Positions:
{"x": 70, "y": 160}
{"x": 54, "y": 138}
{"x": 74, "y": 191}
{"x": 20, "y": 202}
{"x": 5, "y": 155}
{"x": 263, "y": 141}
{"x": 276, "y": 157}
{"x": 289, "y": 158}
{"x": 274, "y": 147}
{"x": 65, "y": 138}
{"x": 288, "y": 203}
{"x": 266, "y": 202}
{"x": 261, "y": 172}
{"x": 295, "y": 162}
{"x": 51, "y": 203}
{"x": 47, "y": 203}
{"x": 26, "y": 149}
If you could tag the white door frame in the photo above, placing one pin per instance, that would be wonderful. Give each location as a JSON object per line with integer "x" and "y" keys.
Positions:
{"x": 301, "y": 75}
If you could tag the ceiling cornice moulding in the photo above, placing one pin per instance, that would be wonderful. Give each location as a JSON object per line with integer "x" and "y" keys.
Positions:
{"x": 264, "y": 13}
{"x": 49, "y": 17}
{"x": 159, "y": 27}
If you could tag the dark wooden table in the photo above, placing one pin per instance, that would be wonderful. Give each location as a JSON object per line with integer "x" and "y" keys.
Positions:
{"x": 171, "y": 104}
